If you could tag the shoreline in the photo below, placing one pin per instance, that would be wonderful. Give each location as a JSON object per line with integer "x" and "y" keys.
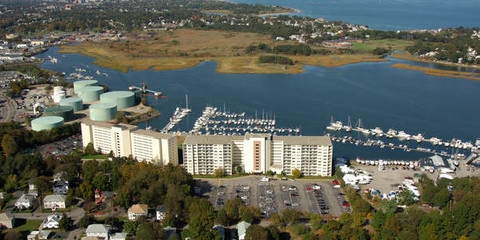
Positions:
{"x": 439, "y": 72}
{"x": 280, "y": 13}
{"x": 410, "y": 57}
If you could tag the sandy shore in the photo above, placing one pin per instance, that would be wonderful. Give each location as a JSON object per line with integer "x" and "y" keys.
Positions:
{"x": 280, "y": 13}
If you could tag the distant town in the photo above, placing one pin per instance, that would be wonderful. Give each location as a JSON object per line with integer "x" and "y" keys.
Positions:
{"x": 75, "y": 163}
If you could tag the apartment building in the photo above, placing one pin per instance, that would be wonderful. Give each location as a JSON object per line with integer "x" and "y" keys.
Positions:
{"x": 258, "y": 153}
{"x": 127, "y": 140}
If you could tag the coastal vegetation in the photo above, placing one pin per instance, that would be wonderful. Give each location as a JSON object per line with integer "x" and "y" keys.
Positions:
{"x": 275, "y": 59}
{"x": 235, "y": 52}
{"x": 439, "y": 72}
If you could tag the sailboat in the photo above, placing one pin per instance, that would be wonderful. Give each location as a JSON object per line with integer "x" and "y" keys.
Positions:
{"x": 348, "y": 128}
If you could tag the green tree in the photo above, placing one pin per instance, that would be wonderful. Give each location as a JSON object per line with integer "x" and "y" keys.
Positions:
{"x": 221, "y": 217}
{"x": 9, "y": 145}
{"x": 43, "y": 185}
{"x": 291, "y": 216}
{"x": 89, "y": 149}
{"x": 296, "y": 173}
{"x": 85, "y": 221}
{"x": 388, "y": 206}
{"x": 256, "y": 232}
{"x": 12, "y": 183}
{"x": 219, "y": 172}
{"x": 130, "y": 227}
{"x": 145, "y": 231}
{"x": 65, "y": 222}
{"x": 201, "y": 220}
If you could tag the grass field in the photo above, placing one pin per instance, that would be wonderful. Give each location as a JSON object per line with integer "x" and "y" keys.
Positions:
{"x": 29, "y": 225}
{"x": 438, "y": 72}
{"x": 394, "y": 44}
{"x": 185, "y": 48}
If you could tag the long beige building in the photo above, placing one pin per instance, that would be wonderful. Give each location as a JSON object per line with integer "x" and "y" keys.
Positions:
{"x": 258, "y": 153}
{"x": 127, "y": 140}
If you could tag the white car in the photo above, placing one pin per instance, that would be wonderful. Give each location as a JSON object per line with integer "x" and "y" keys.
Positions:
{"x": 316, "y": 187}
{"x": 265, "y": 179}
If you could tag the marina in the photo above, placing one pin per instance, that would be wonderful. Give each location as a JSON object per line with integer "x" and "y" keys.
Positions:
{"x": 438, "y": 146}
{"x": 216, "y": 122}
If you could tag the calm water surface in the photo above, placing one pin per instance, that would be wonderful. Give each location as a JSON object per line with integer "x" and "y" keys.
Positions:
{"x": 375, "y": 92}
{"x": 388, "y": 14}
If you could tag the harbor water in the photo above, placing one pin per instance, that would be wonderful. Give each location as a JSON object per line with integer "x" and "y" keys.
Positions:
{"x": 387, "y": 14}
{"x": 380, "y": 95}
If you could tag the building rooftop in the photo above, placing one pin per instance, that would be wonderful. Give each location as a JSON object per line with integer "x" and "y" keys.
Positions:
{"x": 97, "y": 228}
{"x": 108, "y": 125}
{"x": 5, "y": 217}
{"x": 304, "y": 140}
{"x": 54, "y": 198}
{"x": 138, "y": 208}
{"x": 210, "y": 139}
{"x": 153, "y": 134}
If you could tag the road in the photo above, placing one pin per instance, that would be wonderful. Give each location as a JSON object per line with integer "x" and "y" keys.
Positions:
{"x": 8, "y": 108}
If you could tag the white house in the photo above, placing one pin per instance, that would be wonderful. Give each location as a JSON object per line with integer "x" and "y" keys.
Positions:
{"x": 52, "y": 221}
{"x": 24, "y": 202}
{"x": 242, "y": 229}
{"x": 32, "y": 189}
{"x": 136, "y": 211}
{"x": 54, "y": 201}
{"x": 43, "y": 234}
{"x": 98, "y": 230}
{"x": 161, "y": 212}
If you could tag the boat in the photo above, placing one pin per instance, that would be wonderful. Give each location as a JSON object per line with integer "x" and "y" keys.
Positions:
{"x": 419, "y": 138}
{"x": 403, "y": 135}
{"x": 391, "y": 133}
{"x": 377, "y": 131}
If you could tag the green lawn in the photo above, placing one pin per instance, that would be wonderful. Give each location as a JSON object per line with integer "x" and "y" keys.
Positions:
{"x": 30, "y": 225}
{"x": 395, "y": 44}
{"x": 97, "y": 156}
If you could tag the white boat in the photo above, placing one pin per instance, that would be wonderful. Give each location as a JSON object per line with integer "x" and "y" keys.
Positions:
{"x": 403, "y": 135}
{"x": 391, "y": 133}
{"x": 419, "y": 138}
{"x": 377, "y": 131}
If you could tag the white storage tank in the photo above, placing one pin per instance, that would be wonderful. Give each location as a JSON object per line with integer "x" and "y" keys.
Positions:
{"x": 83, "y": 83}
{"x": 103, "y": 111}
{"x": 123, "y": 99}
{"x": 74, "y": 102}
{"x": 90, "y": 93}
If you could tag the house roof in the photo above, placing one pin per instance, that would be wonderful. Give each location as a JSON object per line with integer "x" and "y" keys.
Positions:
{"x": 138, "y": 208}
{"x": 25, "y": 198}
{"x": 161, "y": 208}
{"x": 97, "y": 228}
{"x": 55, "y": 217}
{"x": 119, "y": 236}
{"x": 242, "y": 227}
{"x": 55, "y": 198}
{"x": 5, "y": 217}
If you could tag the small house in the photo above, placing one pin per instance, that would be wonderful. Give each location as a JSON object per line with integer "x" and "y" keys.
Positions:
{"x": 242, "y": 229}
{"x": 119, "y": 236}
{"x": 161, "y": 212}
{"x": 24, "y": 202}
{"x": 54, "y": 201}
{"x": 52, "y": 221}
{"x": 98, "y": 230}
{"x": 136, "y": 211}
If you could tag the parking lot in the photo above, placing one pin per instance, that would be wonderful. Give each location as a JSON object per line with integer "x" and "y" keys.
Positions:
{"x": 314, "y": 196}
{"x": 60, "y": 148}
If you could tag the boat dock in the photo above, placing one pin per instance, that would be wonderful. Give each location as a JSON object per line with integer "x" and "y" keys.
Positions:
{"x": 216, "y": 122}
{"x": 145, "y": 91}
{"x": 178, "y": 116}
{"x": 402, "y": 135}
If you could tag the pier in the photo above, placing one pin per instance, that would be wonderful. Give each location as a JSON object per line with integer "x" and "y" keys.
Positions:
{"x": 453, "y": 144}
{"x": 145, "y": 91}
{"x": 216, "y": 122}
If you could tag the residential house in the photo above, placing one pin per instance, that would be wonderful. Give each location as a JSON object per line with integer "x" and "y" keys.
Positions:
{"x": 60, "y": 187}
{"x": 52, "y": 221}
{"x": 119, "y": 236}
{"x": 24, "y": 202}
{"x": 242, "y": 229}
{"x": 161, "y": 212}
{"x": 136, "y": 211}
{"x": 39, "y": 235}
{"x": 54, "y": 201}
{"x": 98, "y": 230}
{"x": 6, "y": 220}
{"x": 32, "y": 189}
